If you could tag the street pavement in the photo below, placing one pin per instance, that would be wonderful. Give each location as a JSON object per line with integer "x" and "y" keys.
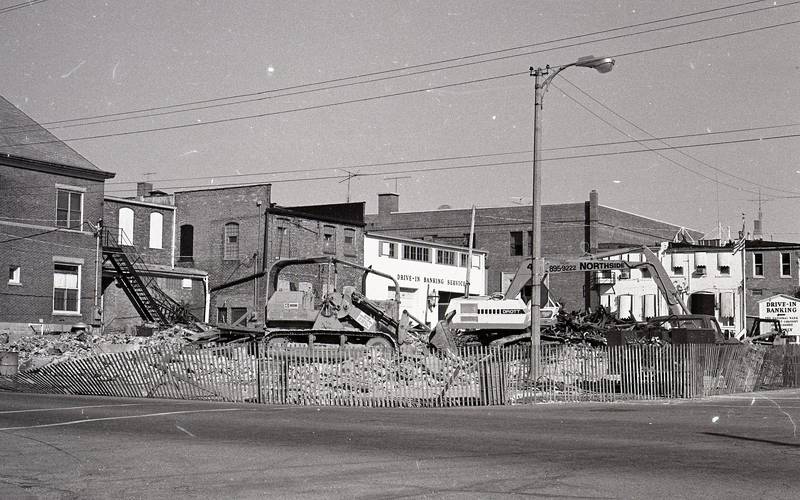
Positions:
{"x": 743, "y": 446}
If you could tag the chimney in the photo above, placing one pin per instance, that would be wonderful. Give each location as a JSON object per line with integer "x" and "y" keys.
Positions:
{"x": 143, "y": 189}
{"x": 388, "y": 203}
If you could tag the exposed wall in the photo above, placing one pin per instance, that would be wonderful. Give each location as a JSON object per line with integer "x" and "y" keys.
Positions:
{"x": 141, "y": 228}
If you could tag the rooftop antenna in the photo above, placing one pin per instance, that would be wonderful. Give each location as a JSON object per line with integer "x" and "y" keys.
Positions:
{"x": 350, "y": 175}
{"x": 395, "y": 179}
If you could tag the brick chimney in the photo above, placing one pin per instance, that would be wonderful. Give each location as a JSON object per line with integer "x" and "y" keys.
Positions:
{"x": 143, "y": 189}
{"x": 388, "y": 203}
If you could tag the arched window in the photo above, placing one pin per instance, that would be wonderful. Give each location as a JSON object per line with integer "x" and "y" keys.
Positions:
{"x": 156, "y": 229}
{"x": 230, "y": 248}
{"x": 125, "y": 236}
{"x": 187, "y": 242}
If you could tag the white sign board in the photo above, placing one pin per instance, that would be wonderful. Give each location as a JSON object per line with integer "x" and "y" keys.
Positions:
{"x": 576, "y": 266}
{"x": 785, "y": 309}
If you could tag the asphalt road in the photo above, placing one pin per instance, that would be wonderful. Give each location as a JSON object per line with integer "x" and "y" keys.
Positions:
{"x": 88, "y": 447}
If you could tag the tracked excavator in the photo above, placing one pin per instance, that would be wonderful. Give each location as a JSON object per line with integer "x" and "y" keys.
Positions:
{"x": 503, "y": 319}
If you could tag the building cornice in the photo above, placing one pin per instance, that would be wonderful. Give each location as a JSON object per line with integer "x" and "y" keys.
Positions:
{"x": 55, "y": 168}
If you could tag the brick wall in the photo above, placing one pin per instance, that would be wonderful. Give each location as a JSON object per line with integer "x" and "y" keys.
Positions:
{"x": 141, "y": 228}
{"x": 293, "y": 236}
{"x": 772, "y": 283}
{"x": 568, "y": 230}
{"x": 32, "y": 242}
{"x": 208, "y": 212}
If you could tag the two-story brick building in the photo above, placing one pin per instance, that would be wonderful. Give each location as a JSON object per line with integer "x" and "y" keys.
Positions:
{"x": 771, "y": 268}
{"x": 568, "y": 230}
{"x": 51, "y": 199}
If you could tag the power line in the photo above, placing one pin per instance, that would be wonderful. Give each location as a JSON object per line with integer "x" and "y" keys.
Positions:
{"x": 667, "y": 148}
{"x": 434, "y": 169}
{"x": 18, "y": 6}
{"x": 405, "y": 69}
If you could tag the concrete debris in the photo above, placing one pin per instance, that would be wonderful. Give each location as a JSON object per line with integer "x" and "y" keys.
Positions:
{"x": 42, "y": 350}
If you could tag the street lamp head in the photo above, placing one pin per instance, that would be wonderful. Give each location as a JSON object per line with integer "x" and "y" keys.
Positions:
{"x": 601, "y": 64}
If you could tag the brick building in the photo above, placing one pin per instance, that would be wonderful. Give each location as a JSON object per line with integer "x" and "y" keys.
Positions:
{"x": 145, "y": 228}
{"x": 336, "y": 230}
{"x": 51, "y": 198}
{"x": 221, "y": 231}
{"x": 771, "y": 268}
{"x": 568, "y": 230}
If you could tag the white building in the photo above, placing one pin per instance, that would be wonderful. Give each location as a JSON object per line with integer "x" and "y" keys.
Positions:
{"x": 709, "y": 279}
{"x": 429, "y": 273}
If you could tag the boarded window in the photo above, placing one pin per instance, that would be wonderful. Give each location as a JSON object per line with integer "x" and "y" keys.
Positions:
{"x": 156, "y": 230}
{"x": 125, "y": 236}
{"x": 349, "y": 241}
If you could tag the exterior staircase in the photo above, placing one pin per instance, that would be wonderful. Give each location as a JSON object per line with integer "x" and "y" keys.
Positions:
{"x": 151, "y": 303}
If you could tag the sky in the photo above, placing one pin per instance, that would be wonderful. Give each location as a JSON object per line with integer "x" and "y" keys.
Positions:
{"x": 697, "y": 125}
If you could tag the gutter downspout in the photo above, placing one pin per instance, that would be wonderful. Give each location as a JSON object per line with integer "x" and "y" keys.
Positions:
{"x": 207, "y": 293}
{"x": 173, "y": 238}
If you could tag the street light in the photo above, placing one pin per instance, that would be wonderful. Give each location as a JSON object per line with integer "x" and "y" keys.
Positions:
{"x": 602, "y": 65}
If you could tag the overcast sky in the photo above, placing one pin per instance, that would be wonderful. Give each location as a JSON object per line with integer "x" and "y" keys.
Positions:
{"x": 433, "y": 99}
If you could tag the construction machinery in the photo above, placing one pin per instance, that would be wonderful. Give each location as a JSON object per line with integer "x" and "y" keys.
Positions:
{"x": 501, "y": 319}
{"x": 342, "y": 317}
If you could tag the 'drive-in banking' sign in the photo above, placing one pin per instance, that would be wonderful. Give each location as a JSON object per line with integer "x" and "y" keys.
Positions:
{"x": 577, "y": 266}
{"x": 785, "y": 309}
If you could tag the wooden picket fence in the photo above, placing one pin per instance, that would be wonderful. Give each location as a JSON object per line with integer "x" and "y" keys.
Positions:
{"x": 472, "y": 376}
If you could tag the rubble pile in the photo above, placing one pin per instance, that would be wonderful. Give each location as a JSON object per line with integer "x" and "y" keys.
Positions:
{"x": 587, "y": 327}
{"x": 41, "y": 350}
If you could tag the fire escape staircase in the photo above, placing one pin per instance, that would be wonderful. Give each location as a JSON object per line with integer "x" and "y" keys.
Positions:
{"x": 151, "y": 303}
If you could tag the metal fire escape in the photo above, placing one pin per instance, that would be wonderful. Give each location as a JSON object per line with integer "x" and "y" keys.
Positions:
{"x": 141, "y": 287}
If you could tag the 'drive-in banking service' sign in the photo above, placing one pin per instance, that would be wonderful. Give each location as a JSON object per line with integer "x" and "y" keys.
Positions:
{"x": 785, "y": 309}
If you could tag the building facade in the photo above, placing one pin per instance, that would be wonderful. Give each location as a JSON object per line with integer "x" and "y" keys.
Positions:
{"x": 708, "y": 278}
{"x": 51, "y": 200}
{"x": 335, "y": 230}
{"x": 429, "y": 274}
{"x": 504, "y": 233}
{"x": 221, "y": 231}
{"x": 145, "y": 228}
{"x": 772, "y": 268}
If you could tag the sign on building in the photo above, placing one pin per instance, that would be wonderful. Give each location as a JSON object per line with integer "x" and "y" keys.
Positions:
{"x": 785, "y": 309}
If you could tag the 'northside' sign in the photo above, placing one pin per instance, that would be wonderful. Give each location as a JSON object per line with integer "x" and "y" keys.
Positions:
{"x": 577, "y": 266}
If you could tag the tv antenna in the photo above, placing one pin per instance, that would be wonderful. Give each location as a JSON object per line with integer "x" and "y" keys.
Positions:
{"x": 350, "y": 175}
{"x": 395, "y": 179}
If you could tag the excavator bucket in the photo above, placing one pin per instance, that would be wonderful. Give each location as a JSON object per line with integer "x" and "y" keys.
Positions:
{"x": 442, "y": 336}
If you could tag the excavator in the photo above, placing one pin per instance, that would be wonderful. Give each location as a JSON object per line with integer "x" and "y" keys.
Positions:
{"x": 340, "y": 317}
{"x": 502, "y": 319}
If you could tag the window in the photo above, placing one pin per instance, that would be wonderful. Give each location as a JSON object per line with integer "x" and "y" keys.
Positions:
{"x": 222, "y": 315}
{"x": 237, "y": 313}
{"x": 156, "y": 229}
{"x": 388, "y": 249}
{"x": 476, "y": 261}
{"x": 516, "y": 242}
{"x": 786, "y": 265}
{"x": 187, "y": 242}
{"x": 421, "y": 254}
{"x": 125, "y": 236}
{"x": 758, "y": 264}
{"x": 69, "y": 209}
{"x": 66, "y": 288}
{"x": 283, "y": 239}
{"x": 14, "y": 275}
{"x": 186, "y": 283}
{"x": 530, "y": 242}
{"x": 474, "y": 240}
{"x": 724, "y": 270}
{"x": 646, "y": 273}
{"x": 446, "y": 257}
{"x": 328, "y": 239}
{"x": 230, "y": 250}
{"x": 349, "y": 241}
